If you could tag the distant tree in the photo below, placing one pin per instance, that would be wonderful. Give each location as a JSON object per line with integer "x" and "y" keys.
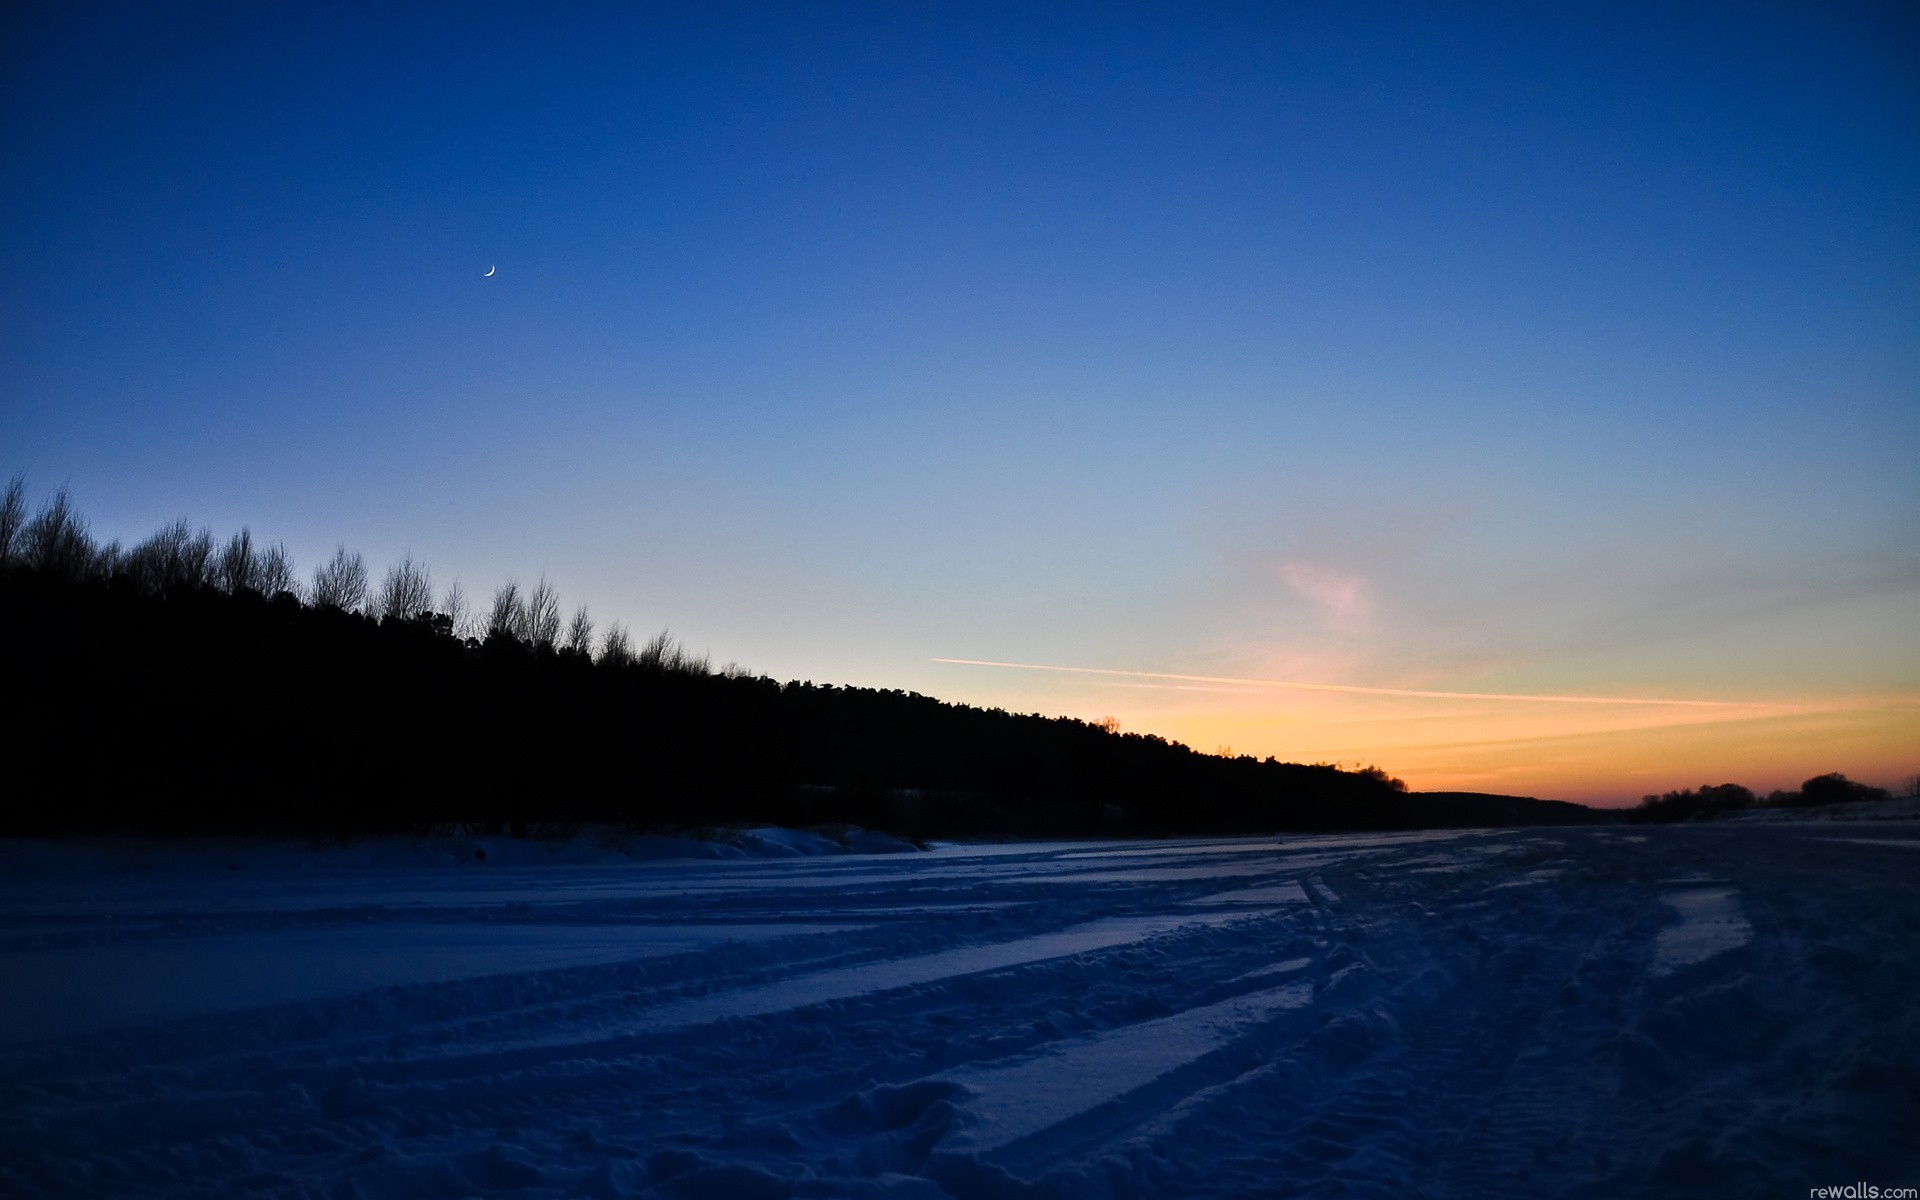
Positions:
{"x": 615, "y": 649}
{"x": 13, "y": 516}
{"x": 1381, "y": 777}
{"x": 459, "y": 612}
{"x": 663, "y": 653}
{"x": 197, "y": 559}
{"x": 1913, "y": 786}
{"x": 1835, "y": 788}
{"x": 238, "y": 567}
{"x": 507, "y": 617}
{"x": 276, "y": 571}
{"x": 340, "y": 582}
{"x": 55, "y": 541}
{"x": 543, "y": 615}
{"x": 109, "y": 560}
{"x": 1726, "y": 797}
{"x": 406, "y": 593}
{"x": 1711, "y": 800}
{"x": 693, "y": 664}
{"x": 656, "y": 651}
{"x": 156, "y": 564}
{"x": 580, "y": 632}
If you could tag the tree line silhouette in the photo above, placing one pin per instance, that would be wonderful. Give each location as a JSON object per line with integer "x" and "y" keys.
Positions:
{"x": 189, "y": 684}
{"x": 1723, "y": 799}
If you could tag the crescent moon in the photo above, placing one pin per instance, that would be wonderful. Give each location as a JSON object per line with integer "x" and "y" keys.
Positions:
{"x": 489, "y": 274}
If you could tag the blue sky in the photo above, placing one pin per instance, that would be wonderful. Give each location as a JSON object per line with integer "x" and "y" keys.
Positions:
{"x": 1455, "y": 348}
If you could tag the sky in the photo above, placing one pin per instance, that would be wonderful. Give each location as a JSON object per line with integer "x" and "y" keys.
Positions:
{"x": 1470, "y": 363}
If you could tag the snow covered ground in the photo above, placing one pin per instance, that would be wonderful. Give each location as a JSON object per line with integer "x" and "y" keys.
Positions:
{"x": 1727, "y": 1009}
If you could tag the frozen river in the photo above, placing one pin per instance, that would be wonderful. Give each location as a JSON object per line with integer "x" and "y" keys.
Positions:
{"x": 1711, "y": 1010}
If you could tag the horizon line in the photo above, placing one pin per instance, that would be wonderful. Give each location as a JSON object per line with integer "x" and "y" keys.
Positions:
{"x": 1353, "y": 688}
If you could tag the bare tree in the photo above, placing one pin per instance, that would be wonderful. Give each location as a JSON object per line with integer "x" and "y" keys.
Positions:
{"x": 154, "y": 564}
{"x": 407, "y": 591}
{"x": 459, "y": 612}
{"x": 197, "y": 559}
{"x": 13, "y": 515}
{"x": 109, "y": 560}
{"x": 664, "y": 654}
{"x": 276, "y": 571}
{"x": 175, "y": 556}
{"x": 508, "y": 614}
{"x": 615, "y": 649}
{"x": 238, "y": 569}
{"x": 580, "y": 632}
{"x": 543, "y": 615}
{"x": 341, "y": 582}
{"x": 56, "y": 540}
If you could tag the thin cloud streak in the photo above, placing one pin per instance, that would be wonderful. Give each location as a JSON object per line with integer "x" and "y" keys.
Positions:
{"x": 1356, "y": 689}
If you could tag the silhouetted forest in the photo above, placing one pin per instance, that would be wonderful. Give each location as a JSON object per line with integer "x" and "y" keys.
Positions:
{"x": 193, "y": 685}
{"x": 1724, "y": 799}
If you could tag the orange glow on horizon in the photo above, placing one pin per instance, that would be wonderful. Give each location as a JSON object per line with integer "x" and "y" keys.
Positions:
{"x": 1342, "y": 687}
{"x": 1606, "y": 750}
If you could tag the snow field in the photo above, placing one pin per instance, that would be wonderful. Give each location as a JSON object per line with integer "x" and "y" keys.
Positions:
{"x": 1719, "y": 1010}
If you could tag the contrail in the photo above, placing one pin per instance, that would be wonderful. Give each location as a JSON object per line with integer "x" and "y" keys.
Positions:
{"x": 1339, "y": 687}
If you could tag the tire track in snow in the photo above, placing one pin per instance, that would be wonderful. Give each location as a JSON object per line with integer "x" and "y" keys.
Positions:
{"x": 1414, "y": 1083}
{"x": 495, "y": 1089}
{"x": 1013, "y": 1103}
{"x": 643, "y": 1026}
